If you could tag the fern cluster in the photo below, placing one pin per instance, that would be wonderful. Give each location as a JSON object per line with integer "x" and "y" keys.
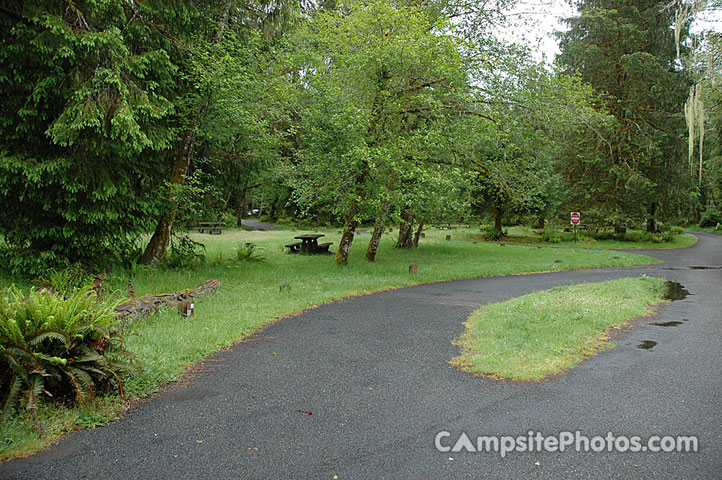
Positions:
{"x": 249, "y": 253}
{"x": 64, "y": 348}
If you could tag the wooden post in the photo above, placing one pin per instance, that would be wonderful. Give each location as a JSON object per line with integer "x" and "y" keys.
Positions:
{"x": 413, "y": 269}
{"x": 185, "y": 308}
{"x": 448, "y": 237}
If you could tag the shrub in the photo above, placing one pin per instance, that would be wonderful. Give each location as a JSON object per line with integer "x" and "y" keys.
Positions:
{"x": 249, "y": 254}
{"x": 676, "y": 230}
{"x": 66, "y": 280}
{"x": 555, "y": 236}
{"x": 551, "y": 236}
{"x": 184, "y": 253}
{"x": 67, "y": 349}
{"x": 229, "y": 219}
{"x": 23, "y": 262}
{"x": 634, "y": 236}
{"x": 491, "y": 234}
{"x": 710, "y": 218}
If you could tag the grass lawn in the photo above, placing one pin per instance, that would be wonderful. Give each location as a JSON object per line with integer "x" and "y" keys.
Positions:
{"x": 706, "y": 229}
{"x": 547, "y": 333}
{"x": 250, "y": 296}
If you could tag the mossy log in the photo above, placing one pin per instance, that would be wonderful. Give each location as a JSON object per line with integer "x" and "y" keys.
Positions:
{"x": 147, "y": 304}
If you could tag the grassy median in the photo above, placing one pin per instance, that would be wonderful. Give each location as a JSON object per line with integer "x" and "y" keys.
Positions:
{"x": 547, "y": 333}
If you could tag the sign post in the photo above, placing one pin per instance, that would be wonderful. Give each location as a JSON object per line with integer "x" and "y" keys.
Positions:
{"x": 574, "y": 219}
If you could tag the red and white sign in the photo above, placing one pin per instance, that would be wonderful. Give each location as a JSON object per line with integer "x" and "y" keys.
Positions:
{"x": 575, "y": 218}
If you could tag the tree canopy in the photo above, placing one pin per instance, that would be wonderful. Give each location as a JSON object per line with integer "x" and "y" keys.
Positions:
{"x": 124, "y": 121}
{"x": 631, "y": 169}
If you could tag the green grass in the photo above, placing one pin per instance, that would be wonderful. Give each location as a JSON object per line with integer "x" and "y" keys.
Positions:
{"x": 547, "y": 333}
{"x": 526, "y": 236}
{"x": 705, "y": 229}
{"x": 250, "y": 297}
{"x": 250, "y": 293}
{"x": 18, "y": 438}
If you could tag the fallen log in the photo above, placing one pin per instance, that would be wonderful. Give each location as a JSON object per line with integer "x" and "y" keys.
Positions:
{"x": 148, "y": 304}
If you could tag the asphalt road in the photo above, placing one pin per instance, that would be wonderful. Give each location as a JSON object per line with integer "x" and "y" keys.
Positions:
{"x": 361, "y": 387}
{"x": 255, "y": 224}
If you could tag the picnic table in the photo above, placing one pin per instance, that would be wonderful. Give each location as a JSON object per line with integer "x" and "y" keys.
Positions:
{"x": 444, "y": 226}
{"x": 212, "y": 227}
{"x": 449, "y": 226}
{"x": 309, "y": 244}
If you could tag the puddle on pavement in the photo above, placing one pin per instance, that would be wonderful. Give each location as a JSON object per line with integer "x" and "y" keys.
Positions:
{"x": 667, "y": 324}
{"x": 647, "y": 345}
{"x": 704, "y": 267}
{"x": 675, "y": 291}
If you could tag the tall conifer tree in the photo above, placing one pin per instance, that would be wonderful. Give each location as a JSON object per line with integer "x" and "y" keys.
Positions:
{"x": 634, "y": 168}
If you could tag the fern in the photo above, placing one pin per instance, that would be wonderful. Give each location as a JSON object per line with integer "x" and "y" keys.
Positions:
{"x": 249, "y": 254}
{"x": 16, "y": 385}
{"x": 51, "y": 346}
{"x": 50, "y": 336}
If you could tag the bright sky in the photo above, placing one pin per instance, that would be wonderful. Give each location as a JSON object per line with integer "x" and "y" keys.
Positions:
{"x": 536, "y": 21}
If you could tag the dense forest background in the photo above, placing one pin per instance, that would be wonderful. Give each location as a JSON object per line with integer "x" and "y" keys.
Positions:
{"x": 123, "y": 121}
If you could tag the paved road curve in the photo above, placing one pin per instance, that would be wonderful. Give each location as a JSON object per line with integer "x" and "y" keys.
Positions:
{"x": 373, "y": 372}
{"x": 255, "y": 224}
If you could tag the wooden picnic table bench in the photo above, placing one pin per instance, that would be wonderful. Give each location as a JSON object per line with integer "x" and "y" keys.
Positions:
{"x": 293, "y": 247}
{"x": 212, "y": 227}
{"x": 309, "y": 244}
{"x": 444, "y": 226}
{"x": 323, "y": 247}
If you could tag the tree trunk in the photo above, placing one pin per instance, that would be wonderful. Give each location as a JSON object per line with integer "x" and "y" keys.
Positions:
{"x": 241, "y": 204}
{"x": 227, "y": 200}
{"x": 378, "y": 231}
{"x": 417, "y": 235}
{"x": 652, "y": 226}
{"x": 349, "y": 229}
{"x": 540, "y": 223}
{"x": 406, "y": 228}
{"x": 497, "y": 218}
{"x": 158, "y": 244}
{"x": 345, "y": 245}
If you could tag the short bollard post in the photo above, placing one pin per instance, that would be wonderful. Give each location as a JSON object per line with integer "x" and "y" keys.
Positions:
{"x": 185, "y": 308}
